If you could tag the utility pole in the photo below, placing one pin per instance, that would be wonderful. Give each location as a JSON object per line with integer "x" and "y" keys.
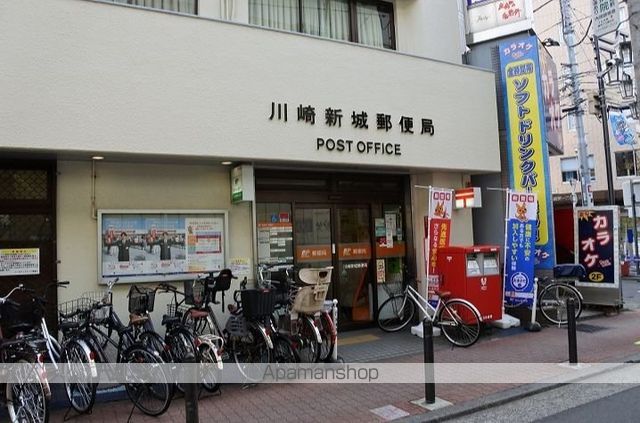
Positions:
{"x": 634, "y": 27}
{"x": 569, "y": 38}
{"x": 605, "y": 123}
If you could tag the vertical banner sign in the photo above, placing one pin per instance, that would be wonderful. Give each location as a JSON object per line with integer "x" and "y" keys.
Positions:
{"x": 596, "y": 246}
{"x": 520, "y": 248}
{"x": 528, "y": 153}
{"x": 439, "y": 229}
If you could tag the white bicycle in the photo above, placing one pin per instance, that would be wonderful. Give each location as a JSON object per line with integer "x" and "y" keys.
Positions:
{"x": 458, "y": 319}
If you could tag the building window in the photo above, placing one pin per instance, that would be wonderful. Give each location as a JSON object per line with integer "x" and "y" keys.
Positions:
{"x": 365, "y": 22}
{"x": 183, "y": 6}
{"x": 625, "y": 165}
{"x": 570, "y": 167}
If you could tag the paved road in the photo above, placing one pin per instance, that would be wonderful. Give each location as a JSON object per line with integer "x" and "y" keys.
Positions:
{"x": 622, "y": 407}
{"x": 591, "y": 401}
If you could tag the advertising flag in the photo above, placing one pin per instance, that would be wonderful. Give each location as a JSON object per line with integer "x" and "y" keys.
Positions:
{"x": 528, "y": 153}
{"x": 439, "y": 229}
{"x": 520, "y": 248}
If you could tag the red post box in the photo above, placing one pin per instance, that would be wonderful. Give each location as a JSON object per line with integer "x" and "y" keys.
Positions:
{"x": 473, "y": 273}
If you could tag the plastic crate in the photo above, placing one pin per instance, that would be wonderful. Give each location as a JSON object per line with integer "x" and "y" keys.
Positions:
{"x": 257, "y": 303}
{"x": 310, "y": 299}
{"x": 236, "y": 325}
{"x": 141, "y": 300}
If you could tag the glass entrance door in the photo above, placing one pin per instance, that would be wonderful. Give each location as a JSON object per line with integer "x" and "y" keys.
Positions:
{"x": 313, "y": 244}
{"x": 353, "y": 236}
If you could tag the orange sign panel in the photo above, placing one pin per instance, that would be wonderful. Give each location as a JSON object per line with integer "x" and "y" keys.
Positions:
{"x": 313, "y": 253}
{"x": 354, "y": 251}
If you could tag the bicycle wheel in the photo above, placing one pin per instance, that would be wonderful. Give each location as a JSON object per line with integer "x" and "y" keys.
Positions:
{"x": 26, "y": 400}
{"x": 80, "y": 392}
{"x": 249, "y": 351}
{"x": 553, "y": 302}
{"x": 148, "y": 386}
{"x": 180, "y": 343}
{"x": 459, "y": 323}
{"x": 308, "y": 348}
{"x": 395, "y": 313}
{"x": 327, "y": 333}
{"x": 283, "y": 351}
{"x": 210, "y": 370}
{"x": 154, "y": 342}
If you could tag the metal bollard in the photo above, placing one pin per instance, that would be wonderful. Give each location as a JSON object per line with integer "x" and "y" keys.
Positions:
{"x": 429, "y": 377}
{"x": 191, "y": 390}
{"x": 571, "y": 320}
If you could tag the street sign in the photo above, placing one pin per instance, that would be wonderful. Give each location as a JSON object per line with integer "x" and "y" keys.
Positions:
{"x": 606, "y": 16}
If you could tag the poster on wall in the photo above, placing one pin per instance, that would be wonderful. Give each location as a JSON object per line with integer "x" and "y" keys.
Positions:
{"x": 597, "y": 246}
{"x": 520, "y": 249}
{"x": 143, "y": 246}
{"x": 19, "y": 261}
{"x": 527, "y": 151}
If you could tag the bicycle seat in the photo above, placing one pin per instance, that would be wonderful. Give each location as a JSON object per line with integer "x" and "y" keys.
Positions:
{"x": 136, "y": 319}
{"x": 169, "y": 320}
{"x": 569, "y": 270}
{"x": 65, "y": 326}
{"x": 21, "y": 328}
{"x": 198, "y": 314}
{"x": 443, "y": 294}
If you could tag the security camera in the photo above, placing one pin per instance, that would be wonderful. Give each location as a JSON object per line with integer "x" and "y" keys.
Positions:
{"x": 612, "y": 62}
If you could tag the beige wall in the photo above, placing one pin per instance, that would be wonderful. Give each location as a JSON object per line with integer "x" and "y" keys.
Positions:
{"x": 123, "y": 79}
{"x": 135, "y": 186}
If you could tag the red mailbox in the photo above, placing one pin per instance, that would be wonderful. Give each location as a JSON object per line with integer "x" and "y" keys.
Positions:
{"x": 473, "y": 273}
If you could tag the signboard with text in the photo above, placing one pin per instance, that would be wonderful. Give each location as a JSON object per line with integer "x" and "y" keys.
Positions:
{"x": 520, "y": 248}
{"x": 438, "y": 229}
{"x": 527, "y": 151}
{"x": 606, "y": 16}
{"x": 597, "y": 245}
{"x": 19, "y": 261}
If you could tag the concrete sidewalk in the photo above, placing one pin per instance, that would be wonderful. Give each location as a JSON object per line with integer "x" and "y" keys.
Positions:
{"x": 600, "y": 339}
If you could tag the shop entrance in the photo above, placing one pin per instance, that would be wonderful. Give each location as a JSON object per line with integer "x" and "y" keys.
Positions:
{"x": 358, "y": 229}
{"x": 339, "y": 236}
{"x": 27, "y": 229}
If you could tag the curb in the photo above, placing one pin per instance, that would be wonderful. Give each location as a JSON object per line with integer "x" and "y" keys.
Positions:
{"x": 499, "y": 398}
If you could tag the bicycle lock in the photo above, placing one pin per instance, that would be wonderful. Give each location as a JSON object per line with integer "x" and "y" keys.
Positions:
{"x": 191, "y": 390}
{"x": 571, "y": 320}
{"x": 429, "y": 377}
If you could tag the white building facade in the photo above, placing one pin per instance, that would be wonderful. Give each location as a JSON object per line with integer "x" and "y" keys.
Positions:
{"x": 338, "y": 114}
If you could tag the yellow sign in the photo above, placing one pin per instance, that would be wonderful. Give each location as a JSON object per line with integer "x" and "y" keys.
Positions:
{"x": 19, "y": 261}
{"x": 526, "y": 137}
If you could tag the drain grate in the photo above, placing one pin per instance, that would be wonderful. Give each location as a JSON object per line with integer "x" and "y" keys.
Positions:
{"x": 583, "y": 327}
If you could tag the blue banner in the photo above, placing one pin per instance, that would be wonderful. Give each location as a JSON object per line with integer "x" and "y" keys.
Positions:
{"x": 520, "y": 249}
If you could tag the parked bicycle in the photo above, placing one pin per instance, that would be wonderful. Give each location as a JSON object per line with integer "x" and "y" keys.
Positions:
{"x": 556, "y": 291}
{"x": 27, "y": 392}
{"x": 150, "y": 392}
{"x": 458, "y": 319}
{"x": 300, "y": 314}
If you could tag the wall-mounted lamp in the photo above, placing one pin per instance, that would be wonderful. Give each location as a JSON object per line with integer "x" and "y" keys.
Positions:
{"x": 226, "y": 163}
{"x": 626, "y": 86}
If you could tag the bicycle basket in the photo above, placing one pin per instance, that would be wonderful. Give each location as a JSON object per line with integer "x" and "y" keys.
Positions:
{"x": 81, "y": 305}
{"x": 17, "y": 319}
{"x": 257, "y": 303}
{"x": 98, "y": 296}
{"x": 310, "y": 299}
{"x": 141, "y": 300}
{"x": 194, "y": 292}
{"x": 175, "y": 310}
